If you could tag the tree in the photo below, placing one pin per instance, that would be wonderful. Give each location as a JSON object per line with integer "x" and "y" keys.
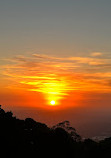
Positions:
{"x": 66, "y": 126}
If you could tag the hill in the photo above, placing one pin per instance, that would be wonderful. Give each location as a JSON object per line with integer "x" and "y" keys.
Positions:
{"x": 28, "y": 138}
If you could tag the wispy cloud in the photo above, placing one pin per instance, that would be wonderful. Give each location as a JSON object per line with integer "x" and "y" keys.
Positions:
{"x": 57, "y": 76}
{"x": 96, "y": 54}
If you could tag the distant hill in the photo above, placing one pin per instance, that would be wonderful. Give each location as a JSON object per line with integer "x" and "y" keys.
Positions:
{"x": 28, "y": 138}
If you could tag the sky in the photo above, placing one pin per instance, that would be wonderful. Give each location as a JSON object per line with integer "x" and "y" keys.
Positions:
{"x": 55, "y": 61}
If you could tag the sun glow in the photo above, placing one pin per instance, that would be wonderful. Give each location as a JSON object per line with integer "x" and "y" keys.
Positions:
{"x": 54, "y": 89}
{"x": 54, "y": 79}
{"x": 52, "y": 102}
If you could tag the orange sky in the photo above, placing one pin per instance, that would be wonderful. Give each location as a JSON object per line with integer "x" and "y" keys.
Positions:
{"x": 56, "y": 51}
{"x": 38, "y": 79}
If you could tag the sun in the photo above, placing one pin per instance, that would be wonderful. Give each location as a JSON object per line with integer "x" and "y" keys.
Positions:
{"x": 52, "y": 102}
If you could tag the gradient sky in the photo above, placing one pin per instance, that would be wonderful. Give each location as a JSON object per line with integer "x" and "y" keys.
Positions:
{"x": 57, "y": 50}
{"x": 63, "y": 26}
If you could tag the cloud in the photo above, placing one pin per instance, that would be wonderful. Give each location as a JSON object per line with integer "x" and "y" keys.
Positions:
{"x": 96, "y": 54}
{"x": 57, "y": 76}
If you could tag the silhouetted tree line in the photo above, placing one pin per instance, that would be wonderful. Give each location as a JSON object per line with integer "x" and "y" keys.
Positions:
{"x": 28, "y": 138}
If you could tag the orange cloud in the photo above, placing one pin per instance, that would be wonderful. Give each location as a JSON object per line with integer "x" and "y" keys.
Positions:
{"x": 56, "y": 77}
{"x": 95, "y": 54}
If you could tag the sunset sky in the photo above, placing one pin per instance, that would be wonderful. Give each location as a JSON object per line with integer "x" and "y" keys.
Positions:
{"x": 55, "y": 60}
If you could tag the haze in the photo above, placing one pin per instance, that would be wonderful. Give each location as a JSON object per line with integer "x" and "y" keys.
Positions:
{"x": 55, "y": 62}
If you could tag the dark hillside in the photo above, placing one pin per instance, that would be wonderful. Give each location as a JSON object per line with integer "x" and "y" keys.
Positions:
{"x": 28, "y": 138}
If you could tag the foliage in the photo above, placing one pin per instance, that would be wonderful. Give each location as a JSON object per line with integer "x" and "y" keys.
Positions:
{"x": 28, "y": 138}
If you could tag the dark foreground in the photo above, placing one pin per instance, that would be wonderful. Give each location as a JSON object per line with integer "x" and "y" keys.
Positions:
{"x": 28, "y": 138}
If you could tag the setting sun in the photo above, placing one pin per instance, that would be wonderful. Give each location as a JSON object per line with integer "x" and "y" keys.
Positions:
{"x": 52, "y": 102}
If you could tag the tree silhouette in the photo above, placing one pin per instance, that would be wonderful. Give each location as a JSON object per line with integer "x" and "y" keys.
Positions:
{"x": 72, "y": 131}
{"x": 28, "y": 138}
